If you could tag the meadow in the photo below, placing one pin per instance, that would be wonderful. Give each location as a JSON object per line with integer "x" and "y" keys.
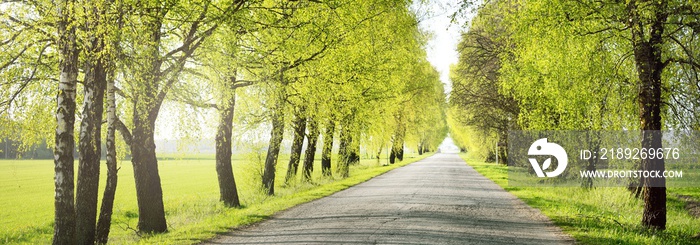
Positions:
{"x": 603, "y": 215}
{"x": 190, "y": 194}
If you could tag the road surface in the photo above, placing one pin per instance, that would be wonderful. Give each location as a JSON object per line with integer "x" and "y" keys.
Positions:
{"x": 439, "y": 200}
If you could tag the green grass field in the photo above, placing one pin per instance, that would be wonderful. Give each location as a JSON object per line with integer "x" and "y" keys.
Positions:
{"x": 190, "y": 194}
{"x": 605, "y": 215}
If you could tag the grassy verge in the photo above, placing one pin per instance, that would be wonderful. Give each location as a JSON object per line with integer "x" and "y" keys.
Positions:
{"x": 603, "y": 215}
{"x": 190, "y": 195}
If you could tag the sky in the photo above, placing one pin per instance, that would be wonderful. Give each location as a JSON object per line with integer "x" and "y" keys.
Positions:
{"x": 442, "y": 48}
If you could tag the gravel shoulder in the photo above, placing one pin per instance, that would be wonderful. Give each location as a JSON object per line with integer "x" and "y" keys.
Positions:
{"x": 438, "y": 200}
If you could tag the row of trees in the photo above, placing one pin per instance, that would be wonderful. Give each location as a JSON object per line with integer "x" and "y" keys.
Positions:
{"x": 579, "y": 65}
{"x": 353, "y": 71}
{"x": 11, "y": 150}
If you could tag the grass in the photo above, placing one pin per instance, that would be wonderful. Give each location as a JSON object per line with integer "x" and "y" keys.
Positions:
{"x": 606, "y": 215}
{"x": 190, "y": 194}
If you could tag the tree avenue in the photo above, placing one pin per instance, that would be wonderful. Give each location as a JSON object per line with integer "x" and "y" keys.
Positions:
{"x": 579, "y": 65}
{"x": 345, "y": 77}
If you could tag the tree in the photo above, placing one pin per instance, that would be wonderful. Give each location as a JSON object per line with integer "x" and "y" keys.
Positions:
{"x": 476, "y": 78}
{"x": 222, "y": 57}
{"x": 90, "y": 138}
{"x": 327, "y": 149}
{"x": 224, "y": 170}
{"x": 652, "y": 33}
{"x": 218, "y": 69}
{"x": 105, "y": 218}
{"x": 64, "y": 224}
{"x": 308, "y": 166}
{"x": 28, "y": 72}
{"x": 427, "y": 124}
{"x": 299, "y": 127}
{"x": 374, "y": 74}
{"x": 274, "y": 147}
{"x": 348, "y": 148}
{"x": 351, "y": 65}
{"x": 641, "y": 46}
{"x": 397, "y": 143}
{"x": 301, "y": 40}
{"x": 154, "y": 74}
{"x": 74, "y": 47}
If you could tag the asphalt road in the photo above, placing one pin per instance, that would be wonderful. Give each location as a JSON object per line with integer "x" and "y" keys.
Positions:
{"x": 439, "y": 200}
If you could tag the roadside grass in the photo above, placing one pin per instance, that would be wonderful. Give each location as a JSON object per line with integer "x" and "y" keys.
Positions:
{"x": 190, "y": 195}
{"x": 605, "y": 215}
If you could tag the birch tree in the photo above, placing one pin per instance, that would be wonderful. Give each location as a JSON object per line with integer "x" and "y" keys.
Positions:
{"x": 95, "y": 27}
{"x": 64, "y": 224}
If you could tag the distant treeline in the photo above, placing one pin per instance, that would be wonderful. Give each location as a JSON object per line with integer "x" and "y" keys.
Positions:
{"x": 10, "y": 149}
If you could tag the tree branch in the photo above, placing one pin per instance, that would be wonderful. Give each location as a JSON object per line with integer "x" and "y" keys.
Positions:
{"x": 126, "y": 134}
{"x": 243, "y": 83}
{"x": 121, "y": 92}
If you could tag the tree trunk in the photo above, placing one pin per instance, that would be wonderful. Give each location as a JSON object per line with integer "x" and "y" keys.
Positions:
{"x": 90, "y": 145}
{"x": 224, "y": 170}
{"x": 297, "y": 144}
{"x": 327, "y": 149}
{"x": 392, "y": 156}
{"x": 379, "y": 153}
{"x": 308, "y": 167}
{"x": 64, "y": 219}
{"x": 343, "y": 160}
{"x": 105, "y": 220}
{"x": 354, "y": 153}
{"x": 397, "y": 146}
{"x": 149, "y": 193}
{"x": 400, "y": 151}
{"x": 273, "y": 149}
{"x": 647, "y": 56}
{"x": 346, "y": 151}
{"x": 592, "y": 142}
{"x": 147, "y": 101}
{"x": 502, "y": 145}
{"x": 654, "y": 191}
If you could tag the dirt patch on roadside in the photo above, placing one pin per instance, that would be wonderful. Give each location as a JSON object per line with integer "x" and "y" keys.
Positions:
{"x": 691, "y": 205}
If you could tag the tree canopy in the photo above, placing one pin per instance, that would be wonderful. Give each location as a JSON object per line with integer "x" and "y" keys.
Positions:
{"x": 351, "y": 72}
{"x": 579, "y": 65}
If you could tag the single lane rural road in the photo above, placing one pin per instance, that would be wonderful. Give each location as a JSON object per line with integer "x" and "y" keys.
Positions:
{"x": 438, "y": 200}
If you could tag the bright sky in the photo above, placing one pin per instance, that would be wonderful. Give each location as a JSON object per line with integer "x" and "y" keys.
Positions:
{"x": 442, "y": 48}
